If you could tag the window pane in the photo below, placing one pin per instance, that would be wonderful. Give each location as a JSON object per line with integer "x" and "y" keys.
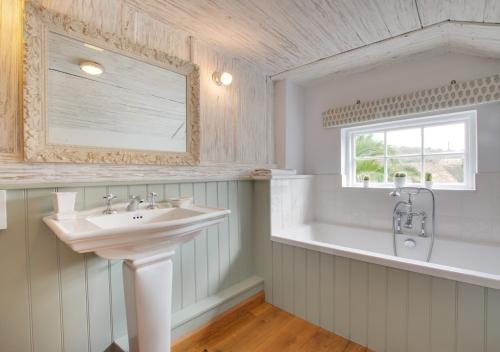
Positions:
{"x": 445, "y": 138}
{"x": 372, "y": 168}
{"x": 409, "y": 165}
{"x": 404, "y": 142}
{"x": 445, "y": 169}
{"x": 370, "y": 144}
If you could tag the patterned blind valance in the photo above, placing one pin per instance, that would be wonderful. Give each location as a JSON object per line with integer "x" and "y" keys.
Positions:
{"x": 456, "y": 94}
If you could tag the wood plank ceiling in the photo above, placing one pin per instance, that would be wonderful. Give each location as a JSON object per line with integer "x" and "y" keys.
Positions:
{"x": 279, "y": 35}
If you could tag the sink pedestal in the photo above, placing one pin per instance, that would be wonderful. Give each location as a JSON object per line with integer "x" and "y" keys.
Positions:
{"x": 148, "y": 298}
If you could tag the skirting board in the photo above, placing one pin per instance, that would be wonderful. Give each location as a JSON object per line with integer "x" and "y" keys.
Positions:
{"x": 198, "y": 314}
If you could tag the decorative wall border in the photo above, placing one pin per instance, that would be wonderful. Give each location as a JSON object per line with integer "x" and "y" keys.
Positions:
{"x": 455, "y": 94}
{"x": 38, "y": 21}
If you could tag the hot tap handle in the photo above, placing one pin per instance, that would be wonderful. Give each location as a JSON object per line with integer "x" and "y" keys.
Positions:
{"x": 109, "y": 197}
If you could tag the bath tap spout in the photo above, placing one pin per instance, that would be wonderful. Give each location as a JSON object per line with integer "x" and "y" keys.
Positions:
{"x": 409, "y": 221}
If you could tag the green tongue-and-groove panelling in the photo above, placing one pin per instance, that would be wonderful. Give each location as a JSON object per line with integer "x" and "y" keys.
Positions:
{"x": 53, "y": 299}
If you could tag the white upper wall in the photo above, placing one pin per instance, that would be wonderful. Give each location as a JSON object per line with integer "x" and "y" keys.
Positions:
{"x": 289, "y": 115}
{"x": 322, "y": 146}
{"x": 295, "y": 128}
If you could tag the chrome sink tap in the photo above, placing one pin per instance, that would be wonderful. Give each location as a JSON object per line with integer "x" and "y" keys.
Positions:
{"x": 134, "y": 203}
{"x": 108, "y": 198}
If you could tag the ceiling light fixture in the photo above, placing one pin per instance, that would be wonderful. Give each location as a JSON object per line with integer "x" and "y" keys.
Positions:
{"x": 91, "y": 67}
{"x": 222, "y": 78}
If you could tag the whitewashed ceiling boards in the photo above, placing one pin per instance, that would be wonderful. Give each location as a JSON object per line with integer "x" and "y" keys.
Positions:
{"x": 280, "y": 35}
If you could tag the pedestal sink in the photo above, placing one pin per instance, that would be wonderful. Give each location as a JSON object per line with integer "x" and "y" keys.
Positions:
{"x": 146, "y": 241}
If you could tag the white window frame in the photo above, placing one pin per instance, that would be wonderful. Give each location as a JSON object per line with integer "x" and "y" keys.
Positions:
{"x": 348, "y": 135}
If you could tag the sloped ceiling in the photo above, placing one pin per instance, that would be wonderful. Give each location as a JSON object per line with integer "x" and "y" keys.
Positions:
{"x": 280, "y": 35}
{"x": 470, "y": 38}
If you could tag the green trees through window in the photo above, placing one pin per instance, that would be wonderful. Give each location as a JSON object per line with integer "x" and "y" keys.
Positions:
{"x": 370, "y": 145}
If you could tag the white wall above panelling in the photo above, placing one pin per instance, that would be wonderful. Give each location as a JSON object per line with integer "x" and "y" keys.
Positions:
{"x": 10, "y": 70}
{"x": 236, "y": 121}
{"x": 322, "y": 146}
{"x": 289, "y": 125}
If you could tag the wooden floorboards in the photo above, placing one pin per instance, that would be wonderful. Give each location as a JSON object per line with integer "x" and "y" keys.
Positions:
{"x": 257, "y": 326}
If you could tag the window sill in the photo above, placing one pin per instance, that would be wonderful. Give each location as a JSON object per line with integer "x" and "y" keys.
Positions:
{"x": 386, "y": 187}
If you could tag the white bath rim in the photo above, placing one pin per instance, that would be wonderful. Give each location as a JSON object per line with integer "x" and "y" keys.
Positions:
{"x": 438, "y": 270}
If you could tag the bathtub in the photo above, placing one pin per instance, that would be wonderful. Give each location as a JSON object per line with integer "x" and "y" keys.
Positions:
{"x": 477, "y": 264}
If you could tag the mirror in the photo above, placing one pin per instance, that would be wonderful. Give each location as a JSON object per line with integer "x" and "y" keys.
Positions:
{"x": 104, "y": 99}
{"x": 131, "y": 104}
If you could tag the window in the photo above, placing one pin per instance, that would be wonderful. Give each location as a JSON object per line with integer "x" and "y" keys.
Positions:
{"x": 443, "y": 145}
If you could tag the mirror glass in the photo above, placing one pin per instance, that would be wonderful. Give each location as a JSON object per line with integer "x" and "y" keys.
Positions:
{"x": 130, "y": 105}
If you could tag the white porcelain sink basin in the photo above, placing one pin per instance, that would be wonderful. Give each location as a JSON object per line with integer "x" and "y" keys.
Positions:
{"x": 146, "y": 241}
{"x": 131, "y": 235}
{"x": 144, "y": 217}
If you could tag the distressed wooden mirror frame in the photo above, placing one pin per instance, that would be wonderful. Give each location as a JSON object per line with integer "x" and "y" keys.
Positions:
{"x": 37, "y": 23}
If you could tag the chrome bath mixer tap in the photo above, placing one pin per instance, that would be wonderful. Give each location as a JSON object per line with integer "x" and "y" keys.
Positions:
{"x": 405, "y": 209}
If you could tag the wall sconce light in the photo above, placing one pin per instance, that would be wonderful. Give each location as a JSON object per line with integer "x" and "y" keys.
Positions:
{"x": 222, "y": 78}
{"x": 91, "y": 67}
